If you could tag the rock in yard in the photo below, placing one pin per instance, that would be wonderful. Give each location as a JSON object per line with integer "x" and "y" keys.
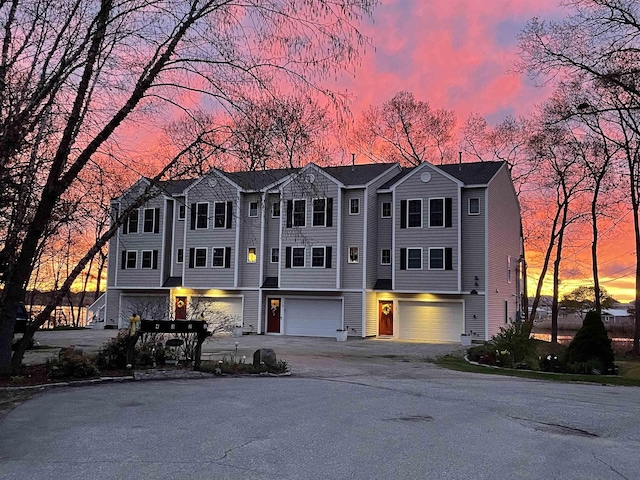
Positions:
{"x": 266, "y": 356}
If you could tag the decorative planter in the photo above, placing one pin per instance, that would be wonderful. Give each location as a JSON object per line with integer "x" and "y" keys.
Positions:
{"x": 341, "y": 335}
{"x": 465, "y": 340}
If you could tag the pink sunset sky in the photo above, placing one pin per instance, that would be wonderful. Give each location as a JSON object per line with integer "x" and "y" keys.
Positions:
{"x": 460, "y": 55}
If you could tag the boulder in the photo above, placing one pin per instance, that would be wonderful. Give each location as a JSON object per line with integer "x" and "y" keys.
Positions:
{"x": 266, "y": 356}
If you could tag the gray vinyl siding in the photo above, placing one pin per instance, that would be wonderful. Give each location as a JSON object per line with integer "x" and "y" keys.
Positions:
{"x": 504, "y": 240}
{"x": 309, "y": 236}
{"x": 352, "y": 236}
{"x": 382, "y": 240}
{"x": 371, "y": 321}
{"x": 272, "y": 236}
{"x": 167, "y": 221}
{"x": 426, "y": 280}
{"x": 112, "y": 260}
{"x": 112, "y": 312}
{"x": 473, "y": 239}
{"x": 210, "y": 277}
{"x": 474, "y": 305}
{"x": 249, "y": 273}
{"x": 178, "y": 236}
{"x": 250, "y": 311}
{"x": 139, "y": 241}
{"x": 353, "y": 312}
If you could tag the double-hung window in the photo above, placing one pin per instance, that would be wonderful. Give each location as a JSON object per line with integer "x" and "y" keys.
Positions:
{"x": 354, "y": 206}
{"x": 319, "y": 212}
{"x": 385, "y": 258}
{"x": 414, "y": 213}
{"x": 414, "y": 258}
{"x": 318, "y": 257}
{"x": 275, "y": 210}
{"x": 132, "y": 257}
{"x": 436, "y": 212}
{"x": 218, "y": 257}
{"x": 440, "y": 258}
{"x": 297, "y": 257}
{"x": 354, "y": 255}
{"x": 131, "y": 225}
{"x": 202, "y": 215}
{"x": 474, "y": 206}
{"x": 386, "y": 210}
{"x": 200, "y": 257}
{"x": 219, "y": 215}
{"x": 275, "y": 255}
{"x": 253, "y": 209}
{"x": 299, "y": 213}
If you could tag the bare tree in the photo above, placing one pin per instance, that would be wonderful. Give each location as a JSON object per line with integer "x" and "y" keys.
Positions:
{"x": 598, "y": 41}
{"x": 405, "y": 130}
{"x": 75, "y": 73}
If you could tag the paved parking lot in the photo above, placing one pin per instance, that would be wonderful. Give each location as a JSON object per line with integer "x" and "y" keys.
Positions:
{"x": 308, "y": 356}
{"x": 369, "y": 409}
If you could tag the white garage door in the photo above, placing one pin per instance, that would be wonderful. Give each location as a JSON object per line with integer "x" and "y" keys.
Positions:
{"x": 431, "y": 321}
{"x": 218, "y": 310}
{"x": 319, "y": 317}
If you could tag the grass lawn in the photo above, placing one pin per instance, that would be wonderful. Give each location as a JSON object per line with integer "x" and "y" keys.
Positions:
{"x": 629, "y": 372}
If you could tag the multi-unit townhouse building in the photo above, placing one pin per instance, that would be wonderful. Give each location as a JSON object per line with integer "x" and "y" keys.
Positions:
{"x": 425, "y": 253}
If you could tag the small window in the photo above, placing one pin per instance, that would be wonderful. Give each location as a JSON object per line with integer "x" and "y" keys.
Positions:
{"x": 317, "y": 257}
{"x": 297, "y": 257}
{"x": 386, "y": 210}
{"x": 182, "y": 211}
{"x": 414, "y": 213}
{"x": 354, "y": 256}
{"x": 509, "y": 268}
{"x": 219, "y": 215}
{"x": 132, "y": 222}
{"x": 202, "y": 216}
{"x": 275, "y": 210}
{"x": 436, "y": 212}
{"x": 180, "y": 256}
{"x": 474, "y": 206}
{"x": 147, "y": 258}
{"x": 354, "y": 206}
{"x": 436, "y": 259}
{"x": 385, "y": 257}
{"x": 132, "y": 256}
{"x": 319, "y": 212}
{"x": 299, "y": 213}
{"x": 200, "y": 257}
{"x": 218, "y": 257}
{"x": 149, "y": 221}
{"x": 414, "y": 259}
{"x": 275, "y": 255}
{"x": 253, "y": 209}
{"x": 252, "y": 254}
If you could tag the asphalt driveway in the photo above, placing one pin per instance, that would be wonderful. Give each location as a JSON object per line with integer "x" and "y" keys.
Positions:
{"x": 370, "y": 410}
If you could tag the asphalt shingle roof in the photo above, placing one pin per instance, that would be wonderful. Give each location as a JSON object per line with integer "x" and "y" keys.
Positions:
{"x": 476, "y": 173}
{"x": 358, "y": 174}
{"x": 175, "y": 187}
{"x": 257, "y": 180}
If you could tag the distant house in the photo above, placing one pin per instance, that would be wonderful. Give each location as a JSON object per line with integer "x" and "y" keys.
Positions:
{"x": 424, "y": 253}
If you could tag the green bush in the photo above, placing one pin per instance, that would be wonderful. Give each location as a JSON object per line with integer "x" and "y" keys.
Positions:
{"x": 514, "y": 344}
{"x": 150, "y": 348}
{"x": 590, "y": 350}
{"x": 510, "y": 348}
{"x": 72, "y": 366}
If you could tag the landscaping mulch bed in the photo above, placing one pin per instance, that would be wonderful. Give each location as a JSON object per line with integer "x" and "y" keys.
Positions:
{"x": 37, "y": 375}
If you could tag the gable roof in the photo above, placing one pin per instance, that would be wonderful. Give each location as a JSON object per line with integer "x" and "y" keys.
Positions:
{"x": 258, "y": 179}
{"x": 175, "y": 187}
{"x": 476, "y": 173}
{"x": 350, "y": 175}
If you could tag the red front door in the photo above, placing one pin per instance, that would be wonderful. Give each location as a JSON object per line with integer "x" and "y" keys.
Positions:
{"x": 273, "y": 315}
{"x": 385, "y": 314}
{"x": 181, "y": 308}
